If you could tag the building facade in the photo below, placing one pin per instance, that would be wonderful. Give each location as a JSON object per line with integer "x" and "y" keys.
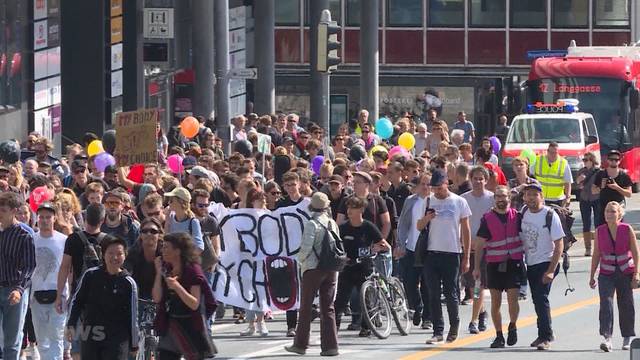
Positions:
{"x": 454, "y": 55}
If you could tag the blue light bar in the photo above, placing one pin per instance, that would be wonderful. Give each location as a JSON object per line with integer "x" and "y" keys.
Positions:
{"x": 534, "y": 54}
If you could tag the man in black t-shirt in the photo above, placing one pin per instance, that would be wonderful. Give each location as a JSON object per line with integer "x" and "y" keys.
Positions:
{"x": 399, "y": 190}
{"x": 375, "y": 210}
{"x": 359, "y": 236}
{"x": 291, "y": 186}
{"x": 612, "y": 183}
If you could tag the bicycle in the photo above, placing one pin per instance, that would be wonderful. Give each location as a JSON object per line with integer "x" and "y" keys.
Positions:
{"x": 149, "y": 338}
{"x": 380, "y": 297}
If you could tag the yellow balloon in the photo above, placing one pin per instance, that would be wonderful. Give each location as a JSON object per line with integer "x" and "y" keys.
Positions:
{"x": 95, "y": 148}
{"x": 377, "y": 148}
{"x": 407, "y": 141}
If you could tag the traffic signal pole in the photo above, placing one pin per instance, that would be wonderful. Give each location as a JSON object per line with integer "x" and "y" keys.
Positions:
{"x": 265, "y": 99}
{"x": 319, "y": 93}
{"x": 369, "y": 84}
{"x": 221, "y": 34}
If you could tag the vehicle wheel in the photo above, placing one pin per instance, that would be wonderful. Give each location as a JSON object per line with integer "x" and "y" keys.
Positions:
{"x": 375, "y": 310}
{"x": 399, "y": 306}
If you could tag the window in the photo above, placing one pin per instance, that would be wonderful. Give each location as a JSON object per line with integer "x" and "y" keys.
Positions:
{"x": 531, "y": 13}
{"x": 611, "y": 13}
{"x": 446, "y": 13}
{"x": 404, "y": 13}
{"x": 570, "y": 13}
{"x": 488, "y": 13}
{"x": 13, "y": 18}
{"x": 353, "y": 12}
{"x": 287, "y": 12}
{"x": 334, "y": 8}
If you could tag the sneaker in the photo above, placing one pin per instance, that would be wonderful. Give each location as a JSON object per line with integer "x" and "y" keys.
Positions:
{"x": 453, "y": 334}
{"x": 296, "y": 350}
{"x": 465, "y": 301}
{"x": 626, "y": 343}
{"x": 427, "y": 325}
{"x": 482, "y": 321}
{"x": 544, "y": 345}
{"x": 417, "y": 317}
{"x": 291, "y": 332}
{"x": 268, "y": 315}
{"x": 473, "y": 328}
{"x": 522, "y": 297}
{"x": 240, "y": 319}
{"x": 250, "y": 330}
{"x": 262, "y": 329}
{"x": 435, "y": 339}
{"x": 364, "y": 333}
{"x": 353, "y": 327}
{"x": 332, "y": 352}
{"x": 497, "y": 343}
{"x": 512, "y": 336}
{"x": 606, "y": 345}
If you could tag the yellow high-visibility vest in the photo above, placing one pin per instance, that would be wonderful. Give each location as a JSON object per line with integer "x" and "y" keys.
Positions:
{"x": 551, "y": 176}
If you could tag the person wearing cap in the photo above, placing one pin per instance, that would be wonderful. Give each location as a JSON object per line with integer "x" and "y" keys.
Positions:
{"x": 554, "y": 174}
{"x": 117, "y": 223}
{"x": 411, "y": 273}
{"x": 543, "y": 249}
{"x": 316, "y": 281}
{"x": 181, "y": 218}
{"x": 18, "y": 263}
{"x": 612, "y": 183}
{"x": 79, "y": 177}
{"x": 47, "y": 322}
{"x": 447, "y": 254}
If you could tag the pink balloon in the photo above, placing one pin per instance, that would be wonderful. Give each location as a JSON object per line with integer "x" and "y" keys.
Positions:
{"x": 174, "y": 162}
{"x": 38, "y": 196}
{"x": 399, "y": 150}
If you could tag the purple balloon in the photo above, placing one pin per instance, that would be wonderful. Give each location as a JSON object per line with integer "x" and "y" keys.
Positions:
{"x": 495, "y": 144}
{"x": 316, "y": 164}
{"x": 101, "y": 161}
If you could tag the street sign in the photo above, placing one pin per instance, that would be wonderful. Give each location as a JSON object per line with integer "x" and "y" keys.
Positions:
{"x": 158, "y": 23}
{"x": 248, "y": 73}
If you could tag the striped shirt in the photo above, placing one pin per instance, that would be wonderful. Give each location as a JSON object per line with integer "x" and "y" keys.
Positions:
{"x": 18, "y": 257}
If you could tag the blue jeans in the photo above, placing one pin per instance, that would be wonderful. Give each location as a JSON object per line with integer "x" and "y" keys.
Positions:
{"x": 412, "y": 276}
{"x": 12, "y": 318}
{"x": 209, "y": 321}
{"x": 443, "y": 269}
{"x": 588, "y": 212}
{"x": 540, "y": 297}
{"x": 49, "y": 327}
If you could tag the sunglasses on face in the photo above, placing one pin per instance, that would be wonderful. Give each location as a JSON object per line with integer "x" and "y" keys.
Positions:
{"x": 202, "y": 206}
{"x": 150, "y": 231}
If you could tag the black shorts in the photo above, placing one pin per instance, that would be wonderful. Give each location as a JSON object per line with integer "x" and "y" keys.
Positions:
{"x": 467, "y": 279}
{"x": 513, "y": 278}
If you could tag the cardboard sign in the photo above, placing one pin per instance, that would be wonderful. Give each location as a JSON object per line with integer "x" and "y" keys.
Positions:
{"x": 136, "y": 137}
{"x": 258, "y": 269}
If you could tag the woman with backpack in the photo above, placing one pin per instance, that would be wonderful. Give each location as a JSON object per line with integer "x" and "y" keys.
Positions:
{"x": 588, "y": 200}
{"x": 316, "y": 280}
{"x": 184, "y": 299}
{"x": 182, "y": 218}
{"x": 615, "y": 252}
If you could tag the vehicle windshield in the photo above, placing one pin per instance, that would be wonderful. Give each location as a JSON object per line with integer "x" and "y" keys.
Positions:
{"x": 544, "y": 130}
{"x": 605, "y": 98}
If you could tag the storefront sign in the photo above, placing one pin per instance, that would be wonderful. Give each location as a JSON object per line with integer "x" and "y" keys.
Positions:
{"x": 39, "y": 9}
{"x": 53, "y": 8}
{"x": 116, "y": 8}
{"x": 135, "y": 137}
{"x": 116, "y": 83}
{"x": 116, "y": 30}
{"x": 40, "y": 33}
{"x": 116, "y": 56}
{"x": 53, "y": 32}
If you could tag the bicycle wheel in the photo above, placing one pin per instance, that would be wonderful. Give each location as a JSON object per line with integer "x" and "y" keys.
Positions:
{"x": 375, "y": 310}
{"x": 399, "y": 306}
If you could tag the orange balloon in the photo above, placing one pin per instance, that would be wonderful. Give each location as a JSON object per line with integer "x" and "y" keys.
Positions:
{"x": 189, "y": 127}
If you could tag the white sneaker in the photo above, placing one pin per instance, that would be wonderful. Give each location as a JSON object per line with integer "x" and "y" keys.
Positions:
{"x": 606, "y": 345}
{"x": 262, "y": 329}
{"x": 249, "y": 331}
{"x": 626, "y": 343}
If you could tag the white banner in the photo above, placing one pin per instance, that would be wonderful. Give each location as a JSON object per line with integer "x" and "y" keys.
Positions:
{"x": 257, "y": 268}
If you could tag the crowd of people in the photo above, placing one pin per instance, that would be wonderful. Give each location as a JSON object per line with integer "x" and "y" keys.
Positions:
{"x": 442, "y": 215}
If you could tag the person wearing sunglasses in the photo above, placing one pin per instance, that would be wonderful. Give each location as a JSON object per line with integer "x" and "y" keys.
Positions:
{"x": 612, "y": 184}
{"x": 588, "y": 200}
{"x": 140, "y": 260}
{"x": 273, "y": 193}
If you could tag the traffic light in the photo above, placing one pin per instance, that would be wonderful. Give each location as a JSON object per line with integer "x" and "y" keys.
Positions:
{"x": 328, "y": 44}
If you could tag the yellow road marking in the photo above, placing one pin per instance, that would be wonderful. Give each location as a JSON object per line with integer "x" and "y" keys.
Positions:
{"x": 524, "y": 322}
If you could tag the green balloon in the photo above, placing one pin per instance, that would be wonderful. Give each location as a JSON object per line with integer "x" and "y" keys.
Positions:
{"x": 529, "y": 154}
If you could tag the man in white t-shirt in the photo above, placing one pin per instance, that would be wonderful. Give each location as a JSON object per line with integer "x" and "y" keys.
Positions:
{"x": 449, "y": 237}
{"x": 480, "y": 201}
{"x": 47, "y": 322}
{"x": 543, "y": 249}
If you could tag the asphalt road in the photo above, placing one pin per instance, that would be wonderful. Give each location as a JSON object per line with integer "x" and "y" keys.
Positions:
{"x": 575, "y": 323}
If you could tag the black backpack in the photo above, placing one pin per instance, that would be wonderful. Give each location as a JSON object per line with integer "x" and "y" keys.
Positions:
{"x": 92, "y": 255}
{"x": 332, "y": 256}
{"x": 566, "y": 219}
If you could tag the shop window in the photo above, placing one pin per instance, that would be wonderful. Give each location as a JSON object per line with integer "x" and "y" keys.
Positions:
{"x": 353, "y": 12}
{"x": 611, "y": 13}
{"x": 446, "y": 13}
{"x": 570, "y": 13}
{"x": 488, "y": 13}
{"x": 404, "y": 13}
{"x": 528, "y": 14}
{"x": 334, "y": 8}
{"x": 13, "y": 46}
{"x": 287, "y": 12}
